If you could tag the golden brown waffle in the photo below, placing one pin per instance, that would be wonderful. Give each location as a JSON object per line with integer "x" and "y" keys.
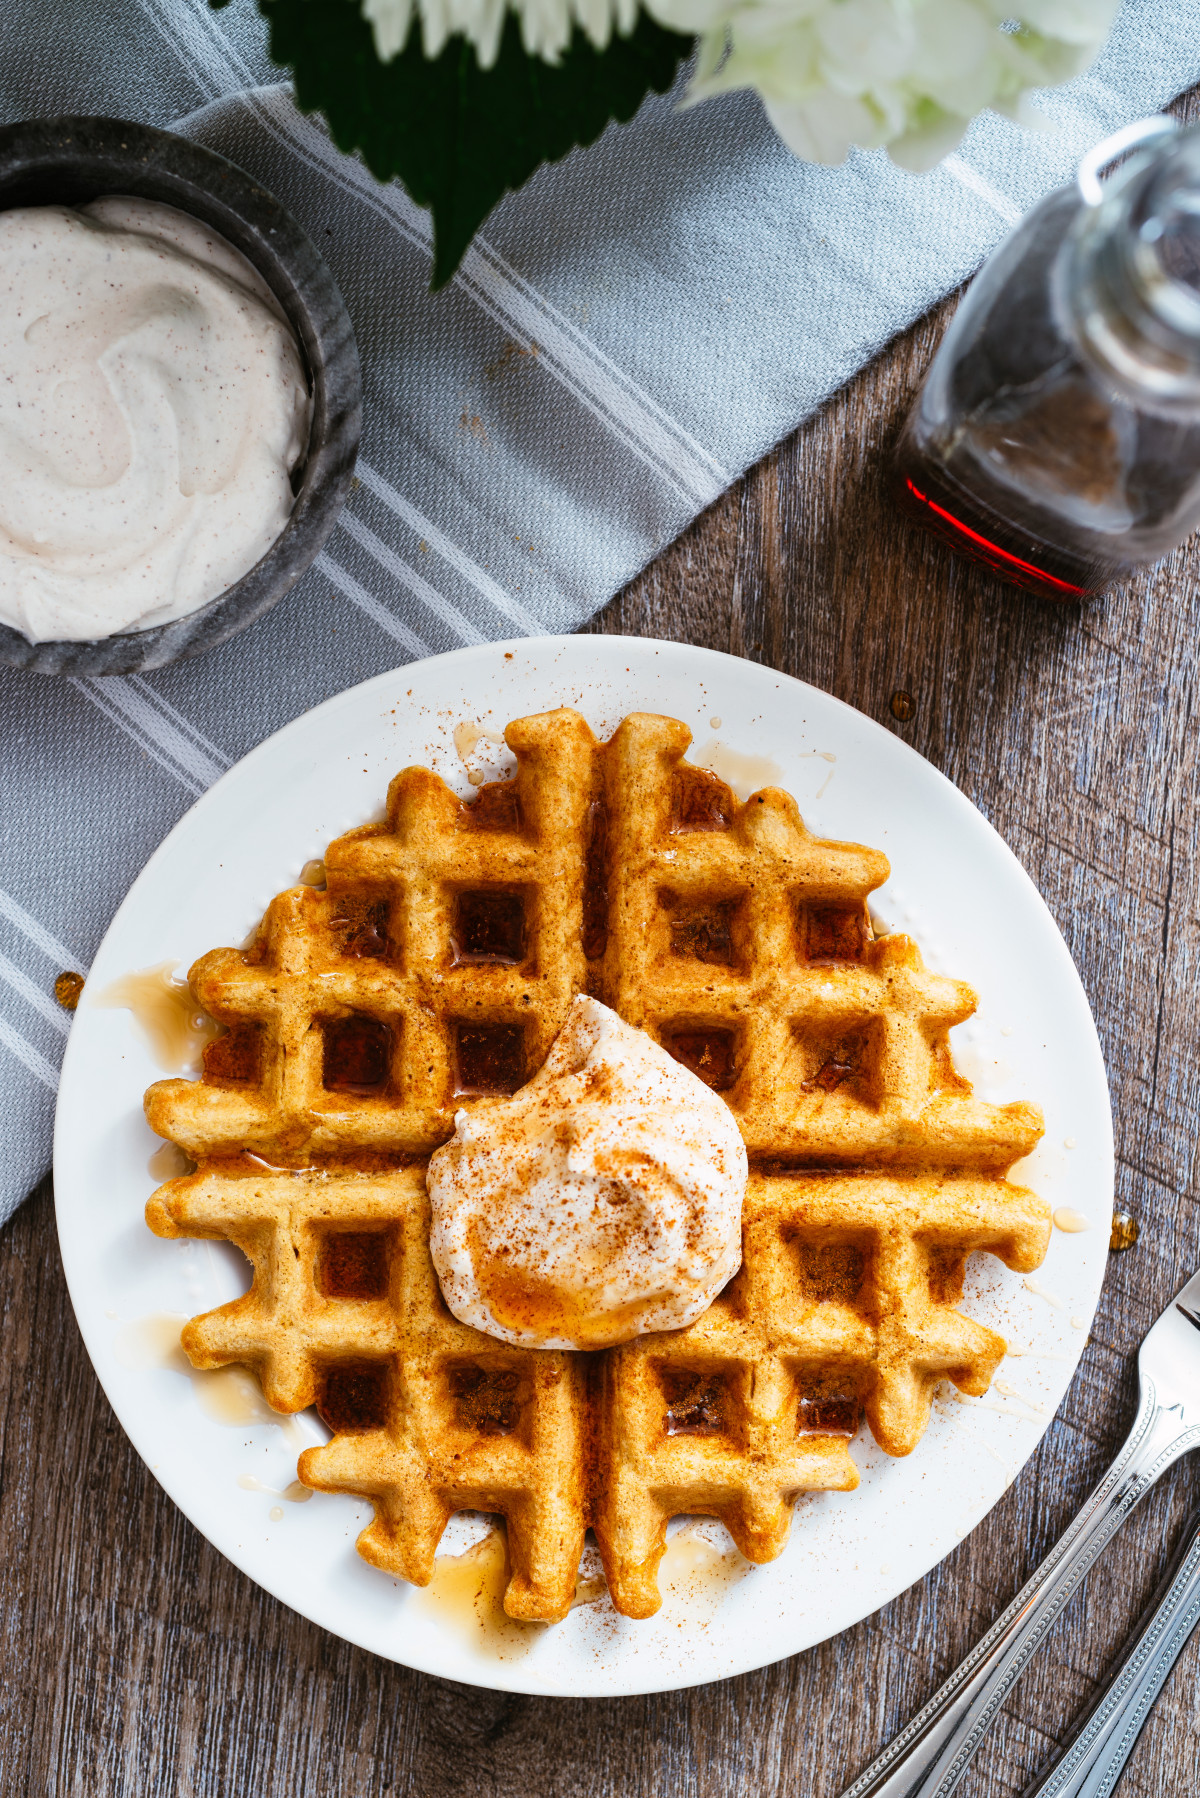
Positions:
{"x": 433, "y": 973}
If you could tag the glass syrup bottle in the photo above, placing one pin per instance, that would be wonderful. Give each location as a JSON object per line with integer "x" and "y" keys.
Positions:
{"x": 1056, "y": 437}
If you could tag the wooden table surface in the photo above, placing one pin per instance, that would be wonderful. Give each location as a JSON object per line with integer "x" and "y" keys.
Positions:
{"x": 136, "y": 1661}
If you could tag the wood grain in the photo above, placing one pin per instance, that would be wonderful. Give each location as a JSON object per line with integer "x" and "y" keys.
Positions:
{"x": 138, "y": 1662}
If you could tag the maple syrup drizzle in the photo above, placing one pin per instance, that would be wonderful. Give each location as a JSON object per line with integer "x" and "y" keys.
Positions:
{"x": 235, "y": 1057}
{"x": 745, "y": 774}
{"x": 498, "y": 807}
{"x": 708, "y": 1053}
{"x": 831, "y": 934}
{"x": 169, "y": 1162}
{"x": 696, "y": 1402}
{"x": 695, "y": 1574}
{"x": 357, "y": 1055}
{"x": 701, "y": 801}
{"x": 295, "y": 1493}
{"x": 486, "y": 1399}
{"x": 230, "y": 1395}
{"x": 827, "y": 1414}
{"x": 353, "y": 1264}
{"x": 705, "y": 933}
{"x": 595, "y": 883}
{"x": 353, "y": 1395}
{"x": 489, "y": 1058}
{"x": 1124, "y": 1234}
{"x": 67, "y": 987}
{"x": 488, "y": 926}
{"x": 361, "y": 923}
{"x": 467, "y": 1593}
{"x": 177, "y": 1027}
{"x": 831, "y": 1074}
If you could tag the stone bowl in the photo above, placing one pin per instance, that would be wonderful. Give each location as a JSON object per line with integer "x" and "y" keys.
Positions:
{"x": 69, "y": 161}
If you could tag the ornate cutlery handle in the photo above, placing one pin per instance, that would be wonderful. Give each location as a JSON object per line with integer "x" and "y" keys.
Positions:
{"x": 930, "y": 1755}
{"x": 1092, "y": 1764}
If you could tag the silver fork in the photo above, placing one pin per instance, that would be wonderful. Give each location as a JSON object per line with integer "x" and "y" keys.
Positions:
{"x": 931, "y": 1754}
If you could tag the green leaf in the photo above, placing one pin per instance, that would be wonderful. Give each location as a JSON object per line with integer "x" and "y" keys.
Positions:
{"x": 459, "y": 136}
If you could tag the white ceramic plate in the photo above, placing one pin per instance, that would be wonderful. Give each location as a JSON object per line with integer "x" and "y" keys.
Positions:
{"x": 955, "y": 887}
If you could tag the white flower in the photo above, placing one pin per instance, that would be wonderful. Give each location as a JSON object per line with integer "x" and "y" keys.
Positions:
{"x": 546, "y": 25}
{"x": 908, "y": 74}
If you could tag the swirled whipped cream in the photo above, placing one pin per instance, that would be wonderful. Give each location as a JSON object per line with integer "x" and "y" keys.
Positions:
{"x": 601, "y": 1202}
{"x": 152, "y": 406}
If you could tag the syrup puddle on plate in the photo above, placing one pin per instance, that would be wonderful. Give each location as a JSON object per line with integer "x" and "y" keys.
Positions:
{"x": 467, "y": 1593}
{"x": 295, "y": 1494}
{"x": 745, "y": 774}
{"x": 174, "y": 1025}
{"x": 169, "y": 1162}
{"x": 991, "y": 1073}
{"x": 467, "y": 738}
{"x": 229, "y": 1395}
{"x": 699, "y": 1566}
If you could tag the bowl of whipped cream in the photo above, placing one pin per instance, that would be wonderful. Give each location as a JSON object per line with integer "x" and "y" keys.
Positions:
{"x": 180, "y": 405}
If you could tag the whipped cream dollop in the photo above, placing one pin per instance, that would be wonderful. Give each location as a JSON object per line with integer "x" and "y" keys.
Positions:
{"x": 152, "y": 405}
{"x": 601, "y": 1202}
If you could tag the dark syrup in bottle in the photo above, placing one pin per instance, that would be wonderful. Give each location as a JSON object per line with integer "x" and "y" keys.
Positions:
{"x": 1056, "y": 438}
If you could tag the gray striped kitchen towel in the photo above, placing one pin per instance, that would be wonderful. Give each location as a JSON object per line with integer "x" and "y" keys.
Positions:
{"x": 632, "y": 330}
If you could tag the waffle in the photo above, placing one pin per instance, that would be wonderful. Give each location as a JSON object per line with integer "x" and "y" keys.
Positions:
{"x": 433, "y": 973}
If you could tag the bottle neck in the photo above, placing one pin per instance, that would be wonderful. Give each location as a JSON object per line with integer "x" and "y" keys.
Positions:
{"x": 1129, "y": 281}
